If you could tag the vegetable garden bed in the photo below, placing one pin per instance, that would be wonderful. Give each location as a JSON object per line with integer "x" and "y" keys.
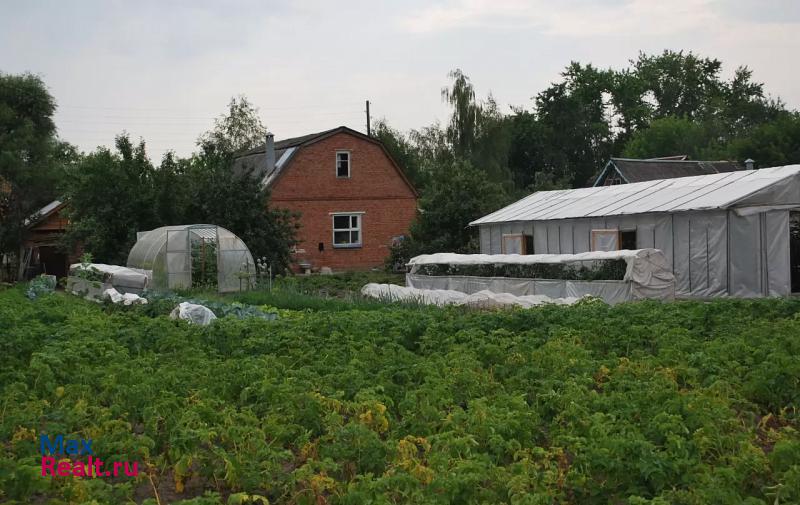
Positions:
{"x": 640, "y": 403}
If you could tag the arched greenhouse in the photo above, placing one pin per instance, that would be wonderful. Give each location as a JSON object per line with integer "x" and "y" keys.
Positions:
{"x": 194, "y": 255}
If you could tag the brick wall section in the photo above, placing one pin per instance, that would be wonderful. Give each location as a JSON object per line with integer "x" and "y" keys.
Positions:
{"x": 309, "y": 185}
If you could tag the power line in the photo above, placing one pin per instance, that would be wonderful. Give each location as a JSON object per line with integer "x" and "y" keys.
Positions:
{"x": 93, "y": 107}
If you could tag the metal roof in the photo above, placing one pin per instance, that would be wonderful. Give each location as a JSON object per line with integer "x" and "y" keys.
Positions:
{"x": 655, "y": 169}
{"x": 704, "y": 192}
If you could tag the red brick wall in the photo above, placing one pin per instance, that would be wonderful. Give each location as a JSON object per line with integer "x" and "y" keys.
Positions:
{"x": 309, "y": 185}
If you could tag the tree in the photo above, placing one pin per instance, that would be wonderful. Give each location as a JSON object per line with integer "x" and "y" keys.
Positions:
{"x": 402, "y": 151}
{"x": 477, "y": 131}
{"x": 30, "y": 155}
{"x": 462, "y": 131}
{"x": 457, "y": 194}
{"x": 534, "y": 165}
{"x": 774, "y": 143}
{"x": 110, "y": 197}
{"x": 238, "y": 130}
{"x": 575, "y": 125}
{"x": 237, "y": 201}
{"x": 680, "y": 85}
{"x": 669, "y": 136}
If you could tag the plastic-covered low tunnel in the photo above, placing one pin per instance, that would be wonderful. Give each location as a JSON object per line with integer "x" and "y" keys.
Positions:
{"x": 185, "y": 256}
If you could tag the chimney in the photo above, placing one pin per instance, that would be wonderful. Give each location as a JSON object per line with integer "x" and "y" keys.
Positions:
{"x": 748, "y": 164}
{"x": 270, "y": 153}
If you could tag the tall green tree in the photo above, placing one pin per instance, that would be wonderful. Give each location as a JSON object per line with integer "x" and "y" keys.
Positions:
{"x": 477, "y": 131}
{"x": 30, "y": 155}
{"x": 576, "y": 130}
{"x": 670, "y": 135}
{"x": 773, "y": 143}
{"x": 402, "y": 150}
{"x": 463, "y": 128}
{"x": 237, "y": 201}
{"x": 457, "y": 194}
{"x": 237, "y": 130}
{"x": 110, "y": 196}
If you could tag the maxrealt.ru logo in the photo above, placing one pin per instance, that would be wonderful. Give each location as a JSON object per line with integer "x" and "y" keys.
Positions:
{"x": 70, "y": 451}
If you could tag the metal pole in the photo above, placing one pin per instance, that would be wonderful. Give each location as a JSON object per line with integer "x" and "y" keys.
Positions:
{"x": 369, "y": 127}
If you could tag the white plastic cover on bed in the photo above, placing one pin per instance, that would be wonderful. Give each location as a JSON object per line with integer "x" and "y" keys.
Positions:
{"x": 647, "y": 275}
{"x": 119, "y": 277}
{"x": 441, "y": 297}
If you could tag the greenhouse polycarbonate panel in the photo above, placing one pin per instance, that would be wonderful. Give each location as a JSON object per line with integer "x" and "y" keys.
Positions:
{"x": 167, "y": 252}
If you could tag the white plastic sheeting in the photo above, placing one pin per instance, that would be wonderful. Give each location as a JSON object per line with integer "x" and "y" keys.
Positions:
{"x": 194, "y": 313}
{"x": 744, "y": 188}
{"x": 122, "y": 278}
{"x": 442, "y": 297}
{"x": 124, "y": 298}
{"x": 531, "y": 259}
{"x": 167, "y": 252}
{"x": 647, "y": 275}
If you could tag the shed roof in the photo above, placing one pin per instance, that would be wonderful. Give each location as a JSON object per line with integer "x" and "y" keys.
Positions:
{"x": 704, "y": 192}
{"x": 655, "y": 169}
{"x": 44, "y": 212}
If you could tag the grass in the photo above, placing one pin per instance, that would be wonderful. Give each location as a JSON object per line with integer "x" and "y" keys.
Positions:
{"x": 314, "y": 292}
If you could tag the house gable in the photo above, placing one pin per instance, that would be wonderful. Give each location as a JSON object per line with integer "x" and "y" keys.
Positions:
{"x": 310, "y": 173}
{"x": 610, "y": 176}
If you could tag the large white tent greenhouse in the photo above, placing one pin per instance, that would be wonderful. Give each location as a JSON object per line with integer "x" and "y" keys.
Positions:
{"x": 728, "y": 234}
{"x": 183, "y": 256}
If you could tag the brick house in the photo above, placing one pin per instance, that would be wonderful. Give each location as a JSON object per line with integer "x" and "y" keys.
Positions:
{"x": 352, "y": 197}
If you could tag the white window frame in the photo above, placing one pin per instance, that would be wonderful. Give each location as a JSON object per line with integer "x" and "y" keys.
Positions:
{"x": 351, "y": 228}
{"x": 605, "y": 237}
{"x": 349, "y": 163}
{"x": 513, "y": 243}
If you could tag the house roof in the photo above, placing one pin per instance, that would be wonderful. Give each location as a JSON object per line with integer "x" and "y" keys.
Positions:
{"x": 286, "y": 148}
{"x": 766, "y": 188}
{"x": 633, "y": 170}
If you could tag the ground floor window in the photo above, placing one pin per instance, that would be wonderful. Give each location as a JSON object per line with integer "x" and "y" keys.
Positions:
{"x": 347, "y": 230}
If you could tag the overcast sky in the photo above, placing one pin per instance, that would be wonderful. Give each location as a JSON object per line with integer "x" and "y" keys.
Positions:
{"x": 163, "y": 70}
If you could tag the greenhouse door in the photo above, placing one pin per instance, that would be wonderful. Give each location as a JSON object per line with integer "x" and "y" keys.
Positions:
{"x": 794, "y": 249}
{"x": 179, "y": 274}
{"x": 205, "y": 266}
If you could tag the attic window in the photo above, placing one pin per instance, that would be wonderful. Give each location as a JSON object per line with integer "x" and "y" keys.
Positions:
{"x": 613, "y": 179}
{"x": 343, "y": 164}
